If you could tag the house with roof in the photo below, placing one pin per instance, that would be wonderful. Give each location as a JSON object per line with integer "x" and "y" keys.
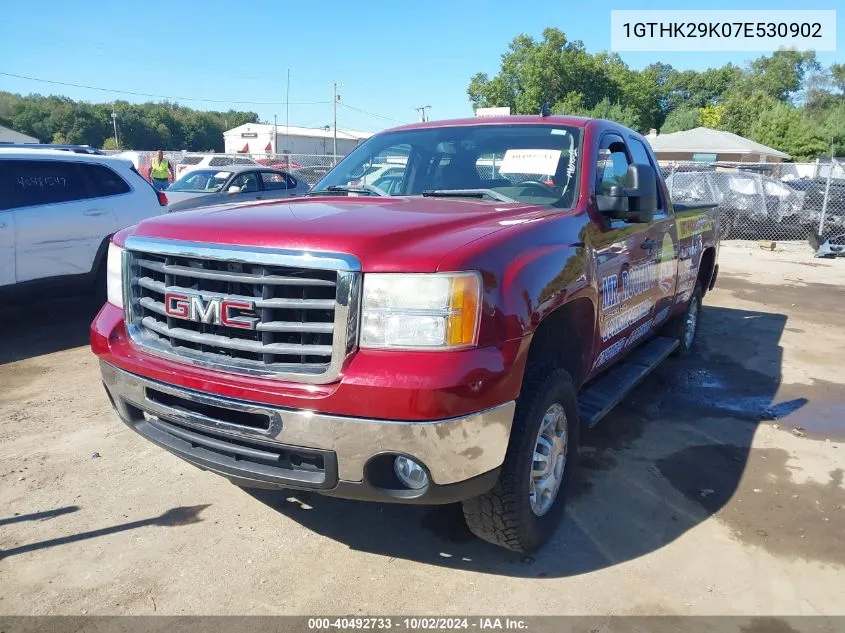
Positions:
{"x": 703, "y": 144}
{"x": 8, "y": 135}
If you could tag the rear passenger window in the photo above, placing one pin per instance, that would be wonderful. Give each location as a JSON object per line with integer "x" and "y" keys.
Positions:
{"x": 190, "y": 160}
{"x": 291, "y": 181}
{"x": 641, "y": 156}
{"x": 39, "y": 182}
{"x": 244, "y": 161}
{"x": 273, "y": 180}
{"x": 219, "y": 161}
{"x": 103, "y": 181}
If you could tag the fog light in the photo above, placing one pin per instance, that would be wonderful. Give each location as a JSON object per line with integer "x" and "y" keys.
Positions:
{"x": 410, "y": 473}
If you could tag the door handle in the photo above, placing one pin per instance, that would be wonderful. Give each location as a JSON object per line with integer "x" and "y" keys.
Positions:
{"x": 648, "y": 244}
{"x": 93, "y": 212}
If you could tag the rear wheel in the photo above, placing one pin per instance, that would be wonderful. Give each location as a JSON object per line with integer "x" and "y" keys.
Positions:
{"x": 522, "y": 510}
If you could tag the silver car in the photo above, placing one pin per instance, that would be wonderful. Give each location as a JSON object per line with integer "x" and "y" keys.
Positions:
{"x": 231, "y": 184}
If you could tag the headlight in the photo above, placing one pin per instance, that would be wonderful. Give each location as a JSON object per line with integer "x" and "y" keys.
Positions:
{"x": 420, "y": 311}
{"x": 114, "y": 276}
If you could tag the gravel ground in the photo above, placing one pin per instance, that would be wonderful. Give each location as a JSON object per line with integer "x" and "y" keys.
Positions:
{"x": 716, "y": 488}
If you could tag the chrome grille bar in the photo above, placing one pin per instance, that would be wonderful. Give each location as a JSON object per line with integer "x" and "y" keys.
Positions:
{"x": 303, "y": 323}
{"x": 200, "y": 273}
{"x": 305, "y": 304}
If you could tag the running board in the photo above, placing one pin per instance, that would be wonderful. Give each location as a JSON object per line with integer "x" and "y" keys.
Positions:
{"x": 599, "y": 398}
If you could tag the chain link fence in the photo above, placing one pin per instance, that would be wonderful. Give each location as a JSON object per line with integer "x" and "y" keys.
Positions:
{"x": 307, "y": 167}
{"x": 765, "y": 201}
{"x": 757, "y": 201}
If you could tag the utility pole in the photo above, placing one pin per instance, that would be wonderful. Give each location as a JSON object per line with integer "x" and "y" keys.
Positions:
{"x": 275, "y": 136}
{"x": 287, "y": 121}
{"x": 334, "y": 117}
{"x": 114, "y": 122}
{"x": 422, "y": 110}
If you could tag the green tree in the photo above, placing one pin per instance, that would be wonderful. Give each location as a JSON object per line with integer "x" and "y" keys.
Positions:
{"x": 711, "y": 116}
{"x": 742, "y": 108}
{"x": 681, "y": 119}
{"x": 781, "y": 75}
{"x": 783, "y": 128}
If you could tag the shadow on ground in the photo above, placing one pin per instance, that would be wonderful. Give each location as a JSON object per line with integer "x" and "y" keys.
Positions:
{"x": 42, "y": 327}
{"x": 670, "y": 456}
{"x": 183, "y": 515}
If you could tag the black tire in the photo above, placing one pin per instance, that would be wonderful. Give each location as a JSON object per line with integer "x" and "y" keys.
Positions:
{"x": 678, "y": 326}
{"x": 504, "y": 515}
{"x": 99, "y": 291}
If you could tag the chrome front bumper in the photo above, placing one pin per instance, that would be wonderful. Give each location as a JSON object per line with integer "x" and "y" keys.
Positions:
{"x": 453, "y": 450}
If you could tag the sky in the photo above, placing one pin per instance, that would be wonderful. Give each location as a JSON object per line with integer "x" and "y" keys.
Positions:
{"x": 388, "y": 57}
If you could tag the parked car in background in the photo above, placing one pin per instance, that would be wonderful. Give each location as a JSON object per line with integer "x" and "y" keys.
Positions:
{"x": 76, "y": 149}
{"x": 58, "y": 211}
{"x": 751, "y": 205}
{"x": 238, "y": 183}
{"x": 313, "y": 173}
{"x": 814, "y": 194}
{"x": 190, "y": 162}
{"x": 282, "y": 163}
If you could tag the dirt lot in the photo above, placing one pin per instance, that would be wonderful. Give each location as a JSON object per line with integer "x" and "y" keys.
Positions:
{"x": 717, "y": 488}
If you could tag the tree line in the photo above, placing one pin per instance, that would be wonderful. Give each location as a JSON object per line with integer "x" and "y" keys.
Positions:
{"x": 786, "y": 100}
{"x": 168, "y": 126}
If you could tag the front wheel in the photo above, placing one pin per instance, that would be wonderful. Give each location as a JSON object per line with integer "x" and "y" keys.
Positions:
{"x": 684, "y": 327}
{"x": 522, "y": 510}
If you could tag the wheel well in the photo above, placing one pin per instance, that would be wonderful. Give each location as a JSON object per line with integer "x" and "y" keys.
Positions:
{"x": 560, "y": 342}
{"x": 706, "y": 267}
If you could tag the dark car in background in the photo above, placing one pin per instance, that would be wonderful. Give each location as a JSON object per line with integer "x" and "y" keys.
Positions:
{"x": 235, "y": 183}
{"x": 751, "y": 205}
{"x": 814, "y": 194}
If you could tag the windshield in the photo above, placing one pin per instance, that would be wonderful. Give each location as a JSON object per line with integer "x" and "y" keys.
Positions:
{"x": 201, "y": 181}
{"x": 525, "y": 163}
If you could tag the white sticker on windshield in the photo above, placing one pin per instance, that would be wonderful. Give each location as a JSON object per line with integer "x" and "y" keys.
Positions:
{"x": 222, "y": 174}
{"x": 561, "y": 132}
{"x": 530, "y": 161}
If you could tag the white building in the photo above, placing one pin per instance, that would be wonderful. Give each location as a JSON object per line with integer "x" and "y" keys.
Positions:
{"x": 258, "y": 139}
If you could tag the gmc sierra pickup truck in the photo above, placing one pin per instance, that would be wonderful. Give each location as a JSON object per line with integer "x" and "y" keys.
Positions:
{"x": 445, "y": 342}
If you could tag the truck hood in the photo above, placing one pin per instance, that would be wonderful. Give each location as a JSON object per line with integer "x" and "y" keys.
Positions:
{"x": 385, "y": 234}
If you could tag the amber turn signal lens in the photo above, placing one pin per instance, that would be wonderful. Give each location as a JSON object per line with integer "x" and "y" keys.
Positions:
{"x": 464, "y": 310}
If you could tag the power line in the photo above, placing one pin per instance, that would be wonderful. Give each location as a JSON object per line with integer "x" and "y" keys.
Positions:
{"x": 373, "y": 114}
{"x": 155, "y": 96}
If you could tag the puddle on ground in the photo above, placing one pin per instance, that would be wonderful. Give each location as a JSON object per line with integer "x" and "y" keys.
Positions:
{"x": 767, "y": 508}
{"x": 818, "y": 303}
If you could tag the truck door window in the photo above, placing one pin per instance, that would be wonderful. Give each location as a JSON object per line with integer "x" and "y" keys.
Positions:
{"x": 641, "y": 156}
{"x": 612, "y": 164}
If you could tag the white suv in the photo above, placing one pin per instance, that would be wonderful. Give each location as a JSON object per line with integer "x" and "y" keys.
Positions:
{"x": 190, "y": 162}
{"x": 57, "y": 213}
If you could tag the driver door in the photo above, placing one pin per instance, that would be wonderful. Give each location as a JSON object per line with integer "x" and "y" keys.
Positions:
{"x": 625, "y": 258}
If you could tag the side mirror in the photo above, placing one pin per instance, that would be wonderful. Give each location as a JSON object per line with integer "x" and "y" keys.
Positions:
{"x": 636, "y": 201}
{"x": 641, "y": 188}
{"x": 234, "y": 189}
{"x": 613, "y": 203}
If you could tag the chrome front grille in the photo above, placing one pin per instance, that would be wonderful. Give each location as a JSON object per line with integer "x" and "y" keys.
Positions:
{"x": 301, "y": 307}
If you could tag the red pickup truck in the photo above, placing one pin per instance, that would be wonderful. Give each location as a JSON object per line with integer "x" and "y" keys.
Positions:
{"x": 439, "y": 334}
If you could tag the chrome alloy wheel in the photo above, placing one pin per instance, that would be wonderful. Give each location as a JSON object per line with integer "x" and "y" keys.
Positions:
{"x": 549, "y": 460}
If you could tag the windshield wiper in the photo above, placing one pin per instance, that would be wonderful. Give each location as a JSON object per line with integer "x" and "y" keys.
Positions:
{"x": 466, "y": 193}
{"x": 367, "y": 189}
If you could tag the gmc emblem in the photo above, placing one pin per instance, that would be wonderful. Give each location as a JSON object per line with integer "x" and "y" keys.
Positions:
{"x": 214, "y": 310}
